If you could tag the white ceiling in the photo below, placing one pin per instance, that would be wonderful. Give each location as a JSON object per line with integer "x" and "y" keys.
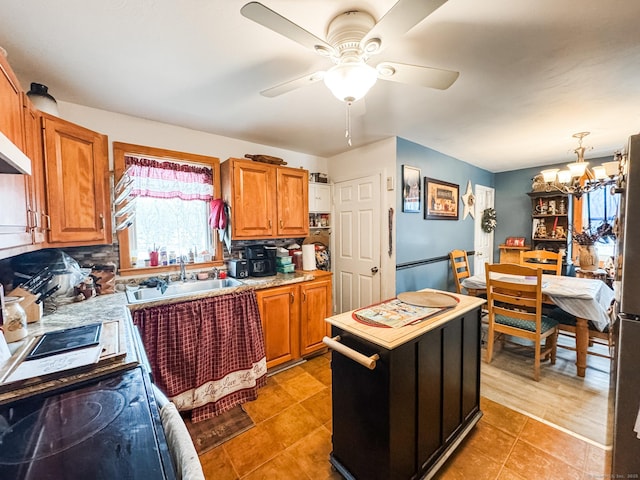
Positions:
{"x": 532, "y": 73}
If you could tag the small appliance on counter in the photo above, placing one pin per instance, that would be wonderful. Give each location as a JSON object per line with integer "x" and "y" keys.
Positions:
{"x": 261, "y": 260}
{"x": 238, "y": 268}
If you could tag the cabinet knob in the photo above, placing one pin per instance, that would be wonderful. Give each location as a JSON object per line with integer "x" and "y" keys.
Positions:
{"x": 101, "y": 221}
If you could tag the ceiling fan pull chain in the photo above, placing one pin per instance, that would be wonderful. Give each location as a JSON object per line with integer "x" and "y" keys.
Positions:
{"x": 347, "y": 132}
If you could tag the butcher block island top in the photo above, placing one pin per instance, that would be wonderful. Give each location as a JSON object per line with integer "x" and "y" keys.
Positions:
{"x": 393, "y": 337}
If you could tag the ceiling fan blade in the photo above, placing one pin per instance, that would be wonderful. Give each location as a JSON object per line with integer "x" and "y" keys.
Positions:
{"x": 293, "y": 84}
{"x": 402, "y": 17}
{"x": 415, "y": 75}
{"x": 274, "y": 21}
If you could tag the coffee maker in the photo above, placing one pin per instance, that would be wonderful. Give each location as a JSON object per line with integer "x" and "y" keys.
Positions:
{"x": 261, "y": 260}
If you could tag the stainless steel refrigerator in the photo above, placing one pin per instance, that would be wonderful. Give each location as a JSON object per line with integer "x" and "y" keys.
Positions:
{"x": 626, "y": 374}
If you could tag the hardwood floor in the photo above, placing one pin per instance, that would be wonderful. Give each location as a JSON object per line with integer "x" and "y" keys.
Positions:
{"x": 292, "y": 436}
{"x": 561, "y": 398}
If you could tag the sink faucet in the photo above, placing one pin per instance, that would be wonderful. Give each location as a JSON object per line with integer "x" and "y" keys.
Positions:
{"x": 183, "y": 269}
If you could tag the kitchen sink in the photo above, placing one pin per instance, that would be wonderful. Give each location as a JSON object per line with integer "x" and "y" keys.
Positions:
{"x": 178, "y": 289}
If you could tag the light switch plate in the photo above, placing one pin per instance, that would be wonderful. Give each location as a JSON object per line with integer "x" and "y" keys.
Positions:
{"x": 389, "y": 183}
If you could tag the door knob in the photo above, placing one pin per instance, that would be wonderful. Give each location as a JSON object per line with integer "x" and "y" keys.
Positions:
{"x": 374, "y": 270}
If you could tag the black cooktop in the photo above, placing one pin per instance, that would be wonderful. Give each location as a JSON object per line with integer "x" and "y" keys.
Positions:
{"x": 107, "y": 429}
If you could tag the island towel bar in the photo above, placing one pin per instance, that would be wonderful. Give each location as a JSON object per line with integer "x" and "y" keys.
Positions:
{"x": 334, "y": 343}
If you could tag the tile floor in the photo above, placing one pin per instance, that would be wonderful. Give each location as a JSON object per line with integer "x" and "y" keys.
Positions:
{"x": 292, "y": 439}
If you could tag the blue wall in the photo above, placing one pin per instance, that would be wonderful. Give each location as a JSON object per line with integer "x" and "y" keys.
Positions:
{"x": 513, "y": 205}
{"x": 419, "y": 239}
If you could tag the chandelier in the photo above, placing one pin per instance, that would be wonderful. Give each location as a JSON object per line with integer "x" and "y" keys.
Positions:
{"x": 578, "y": 179}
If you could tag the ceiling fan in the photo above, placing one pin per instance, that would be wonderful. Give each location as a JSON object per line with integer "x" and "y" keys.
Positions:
{"x": 352, "y": 38}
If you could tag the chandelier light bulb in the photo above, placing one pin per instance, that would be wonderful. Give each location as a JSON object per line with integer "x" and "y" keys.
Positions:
{"x": 578, "y": 168}
{"x": 549, "y": 175}
{"x": 564, "y": 176}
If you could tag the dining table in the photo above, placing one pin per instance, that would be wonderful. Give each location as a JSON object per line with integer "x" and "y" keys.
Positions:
{"x": 589, "y": 300}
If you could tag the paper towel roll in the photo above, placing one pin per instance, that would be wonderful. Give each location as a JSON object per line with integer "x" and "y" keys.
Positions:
{"x": 309, "y": 257}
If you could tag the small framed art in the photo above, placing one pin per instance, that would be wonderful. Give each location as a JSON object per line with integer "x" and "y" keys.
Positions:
{"x": 441, "y": 200}
{"x": 411, "y": 195}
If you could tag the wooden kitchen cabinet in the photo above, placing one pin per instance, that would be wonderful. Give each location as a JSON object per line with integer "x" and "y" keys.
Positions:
{"x": 15, "y": 214}
{"x": 77, "y": 184}
{"x": 315, "y": 308}
{"x": 33, "y": 149}
{"x": 280, "y": 314}
{"x": 10, "y": 104}
{"x": 293, "y": 318}
{"x": 266, "y": 200}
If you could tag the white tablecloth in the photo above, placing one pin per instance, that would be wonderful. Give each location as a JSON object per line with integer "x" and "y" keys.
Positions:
{"x": 583, "y": 297}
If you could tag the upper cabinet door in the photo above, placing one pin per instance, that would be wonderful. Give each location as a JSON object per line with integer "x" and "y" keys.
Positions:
{"x": 319, "y": 198}
{"x": 253, "y": 203}
{"x": 15, "y": 226}
{"x": 11, "y": 104}
{"x": 77, "y": 181}
{"x": 293, "y": 204}
{"x": 33, "y": 149}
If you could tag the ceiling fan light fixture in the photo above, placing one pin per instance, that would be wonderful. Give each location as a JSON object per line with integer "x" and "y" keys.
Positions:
{"x": 350, "y": 81}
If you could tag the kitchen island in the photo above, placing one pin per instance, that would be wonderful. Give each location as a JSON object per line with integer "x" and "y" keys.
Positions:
{"x": 405, "y": 416}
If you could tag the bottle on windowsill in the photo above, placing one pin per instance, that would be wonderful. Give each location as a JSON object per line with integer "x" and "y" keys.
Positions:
{"x": 192, "y": 258}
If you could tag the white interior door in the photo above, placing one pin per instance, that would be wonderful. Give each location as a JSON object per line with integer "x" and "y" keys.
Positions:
{"x": 482, "y": 241}
{"x": 357, "y": 243}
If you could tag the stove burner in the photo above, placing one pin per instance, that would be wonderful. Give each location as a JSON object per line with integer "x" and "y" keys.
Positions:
{"x": 58, "y": 425}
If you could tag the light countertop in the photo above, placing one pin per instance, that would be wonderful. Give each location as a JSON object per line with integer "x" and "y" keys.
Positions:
{"x": 114, "y": 307}
{"x": 391, "y": 338}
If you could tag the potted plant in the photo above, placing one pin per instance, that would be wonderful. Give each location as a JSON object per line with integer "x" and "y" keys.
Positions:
{"x": 587, "y": 255}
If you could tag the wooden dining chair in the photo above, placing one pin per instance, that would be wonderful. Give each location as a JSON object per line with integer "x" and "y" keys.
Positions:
{"x": 515, "y": 309}
{"x": 460, "y": 267}
{"x": 548, "y": 262}
{"x": 567, "y": 327}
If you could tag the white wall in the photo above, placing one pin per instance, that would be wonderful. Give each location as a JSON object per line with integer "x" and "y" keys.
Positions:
{"x": 139, "y": 131}
{"x": 376, "y": 158}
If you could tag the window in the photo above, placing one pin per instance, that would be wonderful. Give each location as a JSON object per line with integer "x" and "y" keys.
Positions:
{"x": 171, "y": 192}
{"x": 598, "y": 208}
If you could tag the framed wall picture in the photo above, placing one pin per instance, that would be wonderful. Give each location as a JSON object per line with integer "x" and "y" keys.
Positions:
{"x": 440, "y": 200}
{"x": 411, "y": 194}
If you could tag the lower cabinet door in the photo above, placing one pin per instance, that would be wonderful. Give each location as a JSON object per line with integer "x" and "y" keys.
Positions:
{"x": 280, "y": 312}
{"x": 315, "y": 308}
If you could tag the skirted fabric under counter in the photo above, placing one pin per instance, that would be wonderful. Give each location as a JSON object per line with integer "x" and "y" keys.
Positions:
{"x": 207, "y": 355}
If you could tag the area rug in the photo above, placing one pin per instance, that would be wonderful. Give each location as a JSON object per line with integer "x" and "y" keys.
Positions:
{"x": 214, "y": 431}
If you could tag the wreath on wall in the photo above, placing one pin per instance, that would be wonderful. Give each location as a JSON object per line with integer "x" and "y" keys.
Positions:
{"x": 489, "y": 221}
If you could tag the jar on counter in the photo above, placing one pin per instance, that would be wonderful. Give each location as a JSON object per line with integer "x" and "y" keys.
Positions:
{"x": 15, "y": 319}
{"x": 297, "y": 259}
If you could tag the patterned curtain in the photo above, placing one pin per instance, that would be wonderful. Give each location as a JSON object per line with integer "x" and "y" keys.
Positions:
{"x": 207, "y": 355}
{"x": 156, "y": 179}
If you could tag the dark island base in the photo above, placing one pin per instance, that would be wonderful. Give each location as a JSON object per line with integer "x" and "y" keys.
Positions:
{"x": 404, "y": 418}
{"x": 435, "y": 467}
